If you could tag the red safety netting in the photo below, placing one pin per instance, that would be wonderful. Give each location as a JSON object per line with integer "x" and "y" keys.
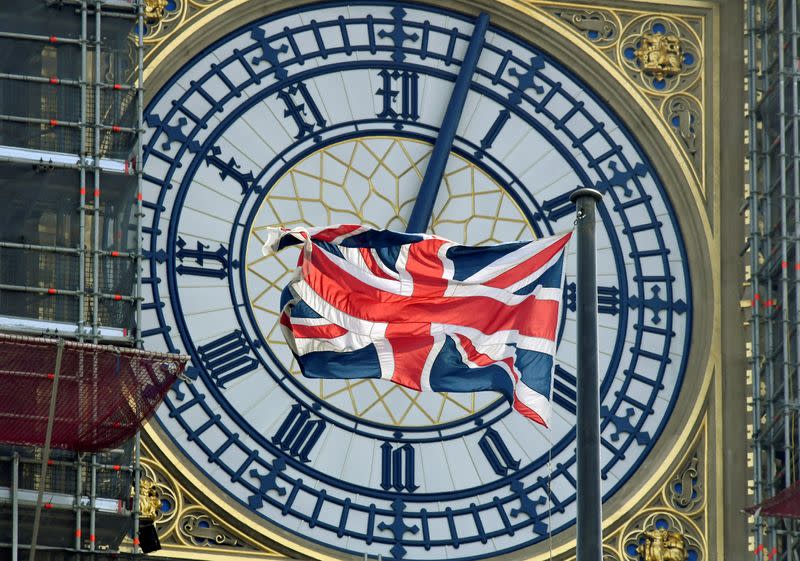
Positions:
{"x": 104, "y": 393}
{"x": 785, "y": 504}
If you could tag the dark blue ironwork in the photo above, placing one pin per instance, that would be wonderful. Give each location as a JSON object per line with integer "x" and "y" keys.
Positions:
{"x": 229, "y": 169}
{"x": 565, "y": 389}
{"x": 190, "y": 374}
{"x": 556, "y": 208}
{"x": 423, "y": 206}
{"x": 398, "y": 528}
{"x": 497, "y": 453}
{"x": 408, "y": 93}
{"x": 622, "y": 424}
{"x": 529, "y": 507}
{"x": 621, "y": 178}
{"x": 174, "y": 132}
{"x": 298, "y": 111}
{"x": 298, "y": 434}
{"x": 525, "y": 80}
{"x": 227, "y": 358}
{"x": 607, "y": 299}
{"x": 397, "y": 35}
{"x": 656, "y": 304}
{"x": 267, "y": 482}
{"x": 397, "y": 468}
{"x": 209, "y": 263}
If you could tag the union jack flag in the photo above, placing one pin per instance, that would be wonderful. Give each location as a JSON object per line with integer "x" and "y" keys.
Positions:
{"x": 425, "y": 312}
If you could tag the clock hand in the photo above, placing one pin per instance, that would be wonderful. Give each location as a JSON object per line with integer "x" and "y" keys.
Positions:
{"x": 423, "y": 206}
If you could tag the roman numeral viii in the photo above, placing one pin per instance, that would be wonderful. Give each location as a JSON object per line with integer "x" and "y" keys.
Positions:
{"x": 227, "y": 358}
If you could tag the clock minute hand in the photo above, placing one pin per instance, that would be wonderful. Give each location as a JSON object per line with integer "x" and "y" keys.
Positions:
{"x": 423, "y": 206}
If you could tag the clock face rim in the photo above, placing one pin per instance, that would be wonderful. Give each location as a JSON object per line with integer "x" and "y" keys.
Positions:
{"x": 675, "y": 210}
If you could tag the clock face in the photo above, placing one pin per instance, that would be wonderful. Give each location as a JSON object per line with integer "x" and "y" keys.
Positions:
{"x": 327, "y": 114}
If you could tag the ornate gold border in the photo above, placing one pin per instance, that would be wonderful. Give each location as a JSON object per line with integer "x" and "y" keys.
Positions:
{"x": 685, "y": 190}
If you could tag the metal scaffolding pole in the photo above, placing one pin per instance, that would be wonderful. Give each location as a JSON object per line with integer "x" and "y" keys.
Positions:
{"x": 46, "y": 453}
{"x": 15, "y": 507}
{"x": 82, "y": 186}
{"x": 96, "y": 148}
{"x": 84, "y": 294}
{"x": 774, "y": 279}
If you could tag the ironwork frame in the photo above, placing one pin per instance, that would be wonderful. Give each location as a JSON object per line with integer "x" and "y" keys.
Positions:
{"x": 772, "y": 209}
{"x": 90, "y": 163}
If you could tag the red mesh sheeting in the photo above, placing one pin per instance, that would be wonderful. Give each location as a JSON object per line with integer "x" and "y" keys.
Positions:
{"x": 104, "y": 393}
{"x": 785, "y": 504}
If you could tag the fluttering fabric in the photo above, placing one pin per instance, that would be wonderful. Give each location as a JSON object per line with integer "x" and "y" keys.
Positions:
{"x": 425, "y": 312}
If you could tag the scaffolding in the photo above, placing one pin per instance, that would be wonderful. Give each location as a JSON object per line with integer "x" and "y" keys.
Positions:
{"x": 772, "y": 211}
{"x": 71, "y": 97}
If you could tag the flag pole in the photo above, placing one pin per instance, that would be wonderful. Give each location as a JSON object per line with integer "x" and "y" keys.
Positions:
{"x": 589, "y": 530}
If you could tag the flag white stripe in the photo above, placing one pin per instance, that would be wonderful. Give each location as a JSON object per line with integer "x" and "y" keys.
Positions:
{"x": 360, "y": 271}
{"x": 510, "y": 260}
{"x": 534, "y": 400}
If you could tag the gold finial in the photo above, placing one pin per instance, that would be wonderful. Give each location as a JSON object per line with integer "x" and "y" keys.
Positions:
{"x": 154, "y": 10}
{"x": 662, "y": 545}
{"x": 660, "y": 55}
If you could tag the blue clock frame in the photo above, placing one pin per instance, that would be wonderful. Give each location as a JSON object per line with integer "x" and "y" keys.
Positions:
{"x": 267, "y": 478}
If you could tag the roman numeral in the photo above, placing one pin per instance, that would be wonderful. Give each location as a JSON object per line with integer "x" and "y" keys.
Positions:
{"x": 208, "y": 263}
{"x": 556, "y": 208}
{"x": 491, "y": 135}
{"x": 497, "y": 453}
{"x": 408, "y": 104}
{"x": 564, "y": 389}
{"x": 607, "y": 299}
{"x": 227, "y": 358}
{"x": 299, "y": 104}
{"x": 298, "y": 434}
{"x": 231, "y": 169}
{"x": 526, "y": 79}
{"x": 398, "y": 468}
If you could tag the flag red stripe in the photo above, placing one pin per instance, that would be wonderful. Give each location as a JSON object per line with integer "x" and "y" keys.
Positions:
{"x": 330, "y": 234}
{"x": 329, "y": 331}
{"x": 531, "y": 317}
{"x": 482, "y": 359}
{"x": 528, "y": 412}
{"x": 529, "y": 266}
{"x": 372, "y": 264}
{"x": 426, "y": 269}
{"x": 414, "y": 347}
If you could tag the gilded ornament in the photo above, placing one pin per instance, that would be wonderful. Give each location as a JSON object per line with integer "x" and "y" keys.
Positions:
{"x": 203, "y": 530}
{"x": 660, "y": 55}
{"x": 683, "y": 116}
{"x": 154, "y": 10}
{"x": 683, "y": 489}
{"x": 662, "y": 545}
{"x": 149, "y": 499}
{"x": 596, "y": 26}
{"x": 663, "y": 54}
